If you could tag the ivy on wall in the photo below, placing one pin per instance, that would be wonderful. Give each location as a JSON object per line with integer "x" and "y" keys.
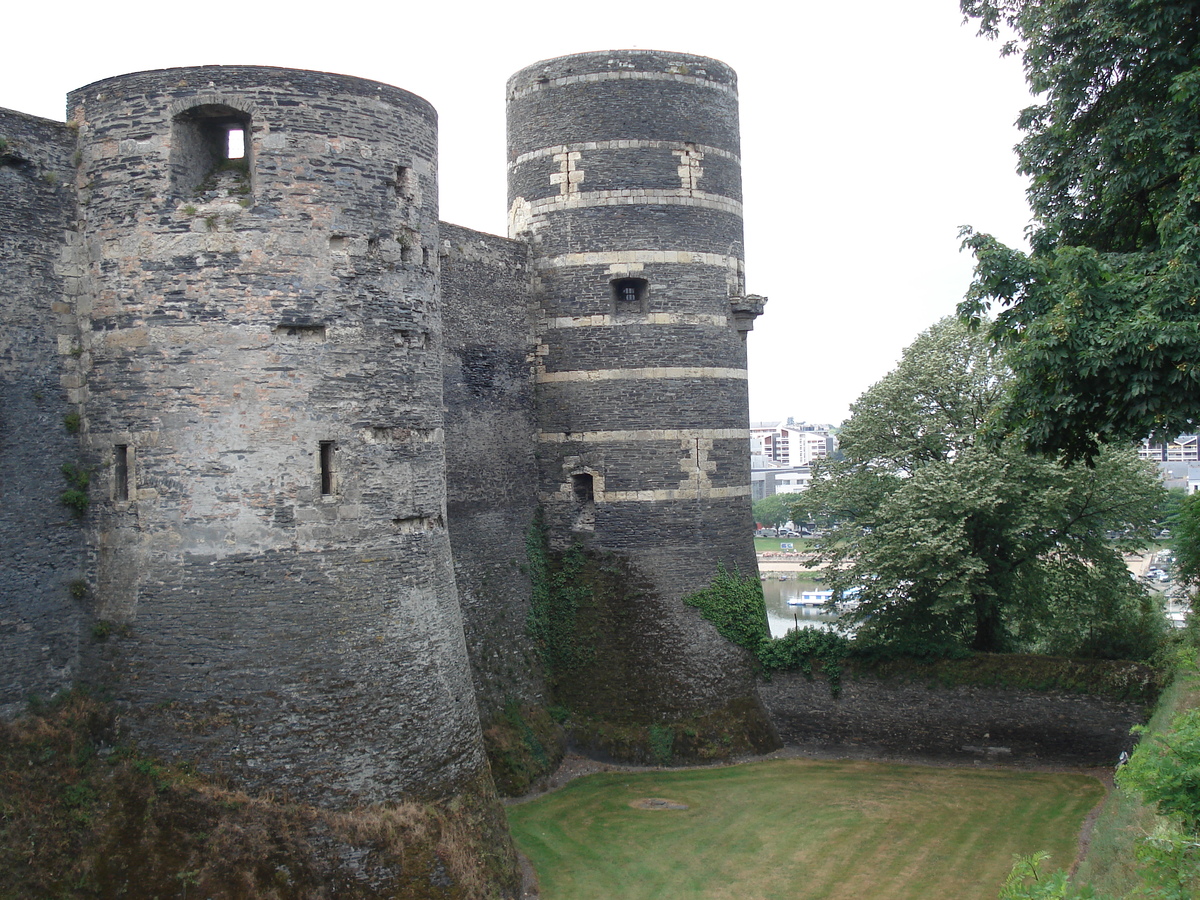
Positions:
{"x": 733, "y": 603}
{"x": 558, "y": 591}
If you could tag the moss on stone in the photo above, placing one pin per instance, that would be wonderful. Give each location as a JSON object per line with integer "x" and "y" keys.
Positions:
{"x": 1110, "y": 679}
{"x": 523, "y": 745}
{"x": 719, "y": 736}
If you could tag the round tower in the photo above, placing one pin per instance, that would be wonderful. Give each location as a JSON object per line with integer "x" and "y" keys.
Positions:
{"x": 261, "y": 388}
{"x": 624, "y": 176}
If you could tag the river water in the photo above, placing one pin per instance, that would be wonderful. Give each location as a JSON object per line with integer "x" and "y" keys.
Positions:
{"x": 784, "y": 618}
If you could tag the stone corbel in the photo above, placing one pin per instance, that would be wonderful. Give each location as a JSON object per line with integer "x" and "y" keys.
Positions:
{"x": 745, "y": 310}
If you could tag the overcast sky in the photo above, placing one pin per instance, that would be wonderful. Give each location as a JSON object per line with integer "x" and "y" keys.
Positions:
{"x": 870, "y": 132}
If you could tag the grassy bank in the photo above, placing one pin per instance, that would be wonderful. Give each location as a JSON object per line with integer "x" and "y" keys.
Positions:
{"x": 798, "y": 829}
{"x": 83, "y": 817}
{"x": 1110, "y": 866}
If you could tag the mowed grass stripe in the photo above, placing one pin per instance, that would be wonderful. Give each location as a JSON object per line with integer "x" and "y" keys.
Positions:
{"x": 799, "y": 830}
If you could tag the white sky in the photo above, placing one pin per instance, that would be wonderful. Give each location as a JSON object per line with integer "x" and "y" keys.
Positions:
{"x": 870, "y": 132}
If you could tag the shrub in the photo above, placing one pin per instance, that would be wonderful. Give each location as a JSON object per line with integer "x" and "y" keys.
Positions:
{"x": 75, "y": 497}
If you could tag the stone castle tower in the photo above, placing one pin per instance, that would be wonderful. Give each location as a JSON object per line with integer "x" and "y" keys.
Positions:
{"x": 625, "y": 180}
{"x": 314, "y": 424}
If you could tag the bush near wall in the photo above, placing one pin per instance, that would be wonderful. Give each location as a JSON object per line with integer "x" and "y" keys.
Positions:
{"x": 733, "y": 603}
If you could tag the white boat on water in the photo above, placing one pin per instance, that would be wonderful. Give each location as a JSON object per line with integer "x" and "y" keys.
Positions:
{"x": 811, "y": 598}
{"x": 820, "y": 598}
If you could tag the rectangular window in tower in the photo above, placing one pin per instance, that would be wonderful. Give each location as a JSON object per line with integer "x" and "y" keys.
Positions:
{"x": 121, "y": 472}
{"x": 405, "y": 184}
{"x": 211, "y": 146}
{"x": 629, "y": 295}
{"x": 583, "y": 492}
{"x": 327, "y": 468}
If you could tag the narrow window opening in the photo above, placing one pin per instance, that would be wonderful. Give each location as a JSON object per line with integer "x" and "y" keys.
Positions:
{"x": 327, "y": 468}
{"x": 406, "y": 184}
{"x": 582, "y": 488}
{"x": 629, "y": 294}
{"x": 210, "y": 150}
{"x": 235, "y": 147}
{"x": 584, "y": 495}
{"x": 121, "y": 472}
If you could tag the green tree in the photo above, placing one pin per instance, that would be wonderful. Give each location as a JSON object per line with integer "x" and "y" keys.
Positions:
{"x": 774, "y": 510}
{"x": 1101, "y": 317}
{"x": 948, "y": 542}
{"x": 1185, "y": 537}
{"x": 1166, "y": 770}
{"x": 1168, "y": 514}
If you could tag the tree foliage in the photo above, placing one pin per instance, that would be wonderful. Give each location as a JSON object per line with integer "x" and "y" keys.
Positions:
{"x": 734, "y": 604}
{"x": 1029, "y": 881}
{"x": 1168, "y": 513}
{"x": 774, "y": 510}
{"x": 1101, "y": 316}
{"x": 948, "y": 543}
{"x": 1185, "y": 536}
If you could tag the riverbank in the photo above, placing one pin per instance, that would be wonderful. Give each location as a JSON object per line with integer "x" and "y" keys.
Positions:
{"x": 788, "y": 562}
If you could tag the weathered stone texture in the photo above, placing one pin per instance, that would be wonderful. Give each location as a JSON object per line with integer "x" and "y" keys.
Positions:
{"x": 320, "y": 424}
{"x": 336, "y": 674}
{"x": 642, "y": 401}
{"x": 40, "y": 622}
{"x": 490, "y": 467}
{"x": 873, "y": 717}
{"x": 623, "y": 95}
{"x": 262, "y": 348}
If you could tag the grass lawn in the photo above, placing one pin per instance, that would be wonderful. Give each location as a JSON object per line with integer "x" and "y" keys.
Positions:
{"x": 763, "y": 545}
{"x": 799, "y": 830}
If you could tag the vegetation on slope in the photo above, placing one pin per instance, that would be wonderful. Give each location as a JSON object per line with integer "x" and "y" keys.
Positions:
{"x": 1146, "y": 839}
{"x": 83, "y": 817}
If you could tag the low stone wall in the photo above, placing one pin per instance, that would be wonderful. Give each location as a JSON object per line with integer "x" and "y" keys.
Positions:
{"x": 966, "y": 722}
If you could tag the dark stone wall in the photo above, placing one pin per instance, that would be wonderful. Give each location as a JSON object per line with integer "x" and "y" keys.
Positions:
{"x": 646, "y": 405}
{"x": 624, "y": 166}
{"x": 675, "y": 287}
{"x": 670, "y": 229}
{"x": 643, "y": 346}
{"x": 40, "y": 621}
{"x": 602, "y": 95}
{"x": 880, "y": 718}
{"x": 656, "y": 167}
{"x": 491, "y": 472}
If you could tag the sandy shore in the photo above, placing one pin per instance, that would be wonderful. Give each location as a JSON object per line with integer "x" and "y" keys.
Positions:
{"x": 798, "y": 563}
